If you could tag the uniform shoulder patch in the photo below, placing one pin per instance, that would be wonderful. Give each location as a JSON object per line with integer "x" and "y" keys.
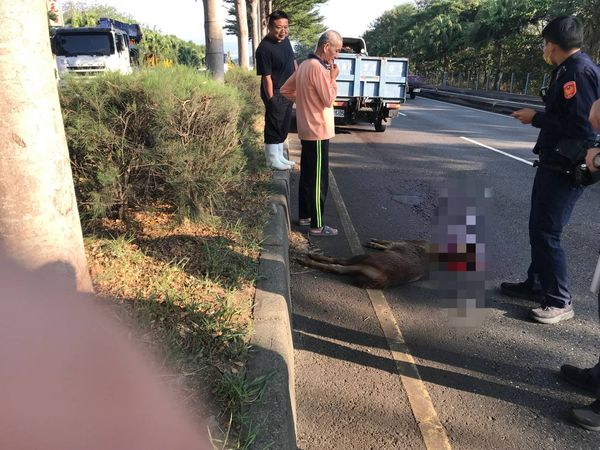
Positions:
{"x": 569, "y": 89}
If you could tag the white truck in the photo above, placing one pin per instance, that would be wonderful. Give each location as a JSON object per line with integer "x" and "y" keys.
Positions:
{"x": 111, "y": 46}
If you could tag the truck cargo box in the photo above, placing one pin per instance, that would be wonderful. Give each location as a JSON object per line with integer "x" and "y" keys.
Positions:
{"x": 371, "y": 76}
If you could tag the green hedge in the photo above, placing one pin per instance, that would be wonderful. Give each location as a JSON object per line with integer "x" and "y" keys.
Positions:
{"x": 168, "y": 136}
{"x": 248, "y": 83}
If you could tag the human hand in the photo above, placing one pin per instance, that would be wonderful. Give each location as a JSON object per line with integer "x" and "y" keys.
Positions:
{"x": 595, "y": 115}
{"x": 73, "y": 377}
{"x": 334, "y": 71}
{"x": 589, "y": 159}
{"x": 525, "y": 116}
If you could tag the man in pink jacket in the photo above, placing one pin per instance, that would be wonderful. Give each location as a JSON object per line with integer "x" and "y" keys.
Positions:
{"x": 313, "y": 88}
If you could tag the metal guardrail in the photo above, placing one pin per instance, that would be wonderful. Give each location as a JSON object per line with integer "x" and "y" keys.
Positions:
{"x": 498, "y": 105}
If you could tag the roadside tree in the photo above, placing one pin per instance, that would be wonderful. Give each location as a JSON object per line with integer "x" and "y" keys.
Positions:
{"x": 306, "y": 24}
{"x": 498, "y": 20}
{"x": 213, "y": 34}
{"x": 39, "y": 221}
{"x": 242, "y": 22}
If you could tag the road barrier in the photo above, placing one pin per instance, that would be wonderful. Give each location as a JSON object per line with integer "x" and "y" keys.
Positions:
{"x": 487, "y": 103}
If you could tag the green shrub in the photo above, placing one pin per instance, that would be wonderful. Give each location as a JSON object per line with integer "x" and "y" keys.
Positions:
{"x": 160, "y": 135}
{"x": 248, "y": 83}
{"x": 199, "y": 138}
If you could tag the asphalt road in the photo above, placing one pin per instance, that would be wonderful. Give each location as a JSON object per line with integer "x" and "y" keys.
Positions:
{"x": 493, "y": 385}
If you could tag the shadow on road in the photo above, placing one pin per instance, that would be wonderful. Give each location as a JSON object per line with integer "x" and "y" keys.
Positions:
{"x": 520, "y": 389}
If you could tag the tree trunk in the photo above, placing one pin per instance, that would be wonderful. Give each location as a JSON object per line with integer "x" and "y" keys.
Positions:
{"x": 39, "y": 221}
{"x": 254, "y": 16}
{"x": 264, "y": 20}
{"x": 242, "y": 20}
{"x": 498, "y": 57}
{"x": 213, "y": 34}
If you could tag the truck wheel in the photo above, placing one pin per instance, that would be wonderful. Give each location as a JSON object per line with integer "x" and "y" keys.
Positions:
{"x": 380, "y": 125}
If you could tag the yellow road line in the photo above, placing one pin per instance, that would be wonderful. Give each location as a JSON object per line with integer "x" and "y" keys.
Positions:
{"x": 432, "y": 430}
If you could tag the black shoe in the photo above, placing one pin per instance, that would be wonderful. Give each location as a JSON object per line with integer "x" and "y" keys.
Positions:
{"x": 588, "y": 417}
{"x": 522, "y": 290}
{"x": 581, "y": 378}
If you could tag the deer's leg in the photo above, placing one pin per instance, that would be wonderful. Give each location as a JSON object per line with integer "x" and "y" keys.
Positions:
{"x": 340, "y": 261}
{"x": 420, "y": 243}
{"x": 325, "y": 266}
{"x": 322, "y": 258}
{"x": 378, "y": 244}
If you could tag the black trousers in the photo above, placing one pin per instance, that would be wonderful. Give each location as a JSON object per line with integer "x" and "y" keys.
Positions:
{"x": 314, "y": 181}
{"x": 278, "y": 118}
{"x": 553, "y": 198}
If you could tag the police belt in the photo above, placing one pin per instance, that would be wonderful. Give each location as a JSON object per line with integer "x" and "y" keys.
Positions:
{"x": 568, "y": 157}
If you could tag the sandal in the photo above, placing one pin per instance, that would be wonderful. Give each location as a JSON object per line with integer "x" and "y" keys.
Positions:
{"x": 304, "y": 222}
{"x": 325, "y": 231}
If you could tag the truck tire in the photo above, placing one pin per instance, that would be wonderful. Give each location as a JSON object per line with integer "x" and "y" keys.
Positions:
{"x": 380, "y": 125}
{"x": 413, "y": 95}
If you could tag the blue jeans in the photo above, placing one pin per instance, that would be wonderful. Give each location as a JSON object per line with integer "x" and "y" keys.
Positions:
{"x": 553, "y": 198}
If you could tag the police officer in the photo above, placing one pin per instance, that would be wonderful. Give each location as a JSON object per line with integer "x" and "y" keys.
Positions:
{"x": 574, "y": 86}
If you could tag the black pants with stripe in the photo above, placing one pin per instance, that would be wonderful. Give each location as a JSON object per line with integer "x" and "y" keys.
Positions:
{"x": 314, "y": 181}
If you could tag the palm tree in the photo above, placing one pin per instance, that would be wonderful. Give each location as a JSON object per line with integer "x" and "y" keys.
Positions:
{"x": 266, "y": 7}
{"x": 440, "y": 38}
{"x": 213, "y": 34}
{"x": 242, "y": 20}
{"x": 500, "y": 19}
{"x": 255, "y": 18}
{"x": 39, "y": 221}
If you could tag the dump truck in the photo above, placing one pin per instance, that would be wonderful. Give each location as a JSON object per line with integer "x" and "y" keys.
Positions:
{"x": 370, "y": 88}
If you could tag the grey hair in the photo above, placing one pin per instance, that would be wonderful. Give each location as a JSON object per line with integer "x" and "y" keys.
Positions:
{"x": 328, "y": 38}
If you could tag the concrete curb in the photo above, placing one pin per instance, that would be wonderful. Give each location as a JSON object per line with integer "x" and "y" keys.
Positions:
{"x": 497, "y": 105}
{"x": 272, "y": 352}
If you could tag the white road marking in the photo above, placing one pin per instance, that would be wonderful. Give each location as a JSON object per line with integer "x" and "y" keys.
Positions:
{"x": 402, "y": 114}
{"x": 432, "y": 431}
{"x": 496, "y": 150}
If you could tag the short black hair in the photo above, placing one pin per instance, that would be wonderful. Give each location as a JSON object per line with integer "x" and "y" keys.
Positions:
{"x": 565, "y": 31}
{"x": 276, "y": 15}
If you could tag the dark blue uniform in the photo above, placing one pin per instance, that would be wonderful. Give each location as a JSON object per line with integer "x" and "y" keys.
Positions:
{"x": 574, "y": 86}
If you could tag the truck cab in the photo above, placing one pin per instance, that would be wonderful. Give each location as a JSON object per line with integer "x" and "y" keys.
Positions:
{"x": 90, "y": 51}
{"x": 111, "y": 46}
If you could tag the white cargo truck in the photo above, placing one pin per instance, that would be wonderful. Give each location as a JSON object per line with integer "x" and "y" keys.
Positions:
{"x": 111, "y": 46}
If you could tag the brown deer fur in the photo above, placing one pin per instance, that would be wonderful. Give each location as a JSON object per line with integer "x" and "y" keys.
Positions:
{"x": 400, "y": 262}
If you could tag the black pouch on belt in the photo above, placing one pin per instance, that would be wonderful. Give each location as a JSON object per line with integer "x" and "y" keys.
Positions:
{"x": 573, "y": 150}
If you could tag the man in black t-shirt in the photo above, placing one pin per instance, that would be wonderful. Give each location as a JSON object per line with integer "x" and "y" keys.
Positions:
{"x": 275, "y": 62}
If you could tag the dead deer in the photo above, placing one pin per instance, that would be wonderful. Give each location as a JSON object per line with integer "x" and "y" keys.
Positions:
{"x": 400, "y": 262}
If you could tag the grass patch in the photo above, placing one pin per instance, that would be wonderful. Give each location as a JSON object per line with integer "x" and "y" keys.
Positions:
{"x": 189, "y": 286}
{"x": 172, "y": 189}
